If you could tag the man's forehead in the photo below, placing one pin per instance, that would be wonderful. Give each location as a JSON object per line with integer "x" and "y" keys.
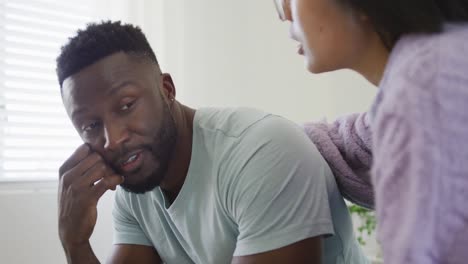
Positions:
{"x": 73, "y": 97}
{"x": 94, "y": 82}
{"x": 107, "y": 68}
{"x": 99, "y": 75}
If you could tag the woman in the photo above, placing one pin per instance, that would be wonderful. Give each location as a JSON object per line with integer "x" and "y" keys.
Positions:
{"x": 416, "y": 53}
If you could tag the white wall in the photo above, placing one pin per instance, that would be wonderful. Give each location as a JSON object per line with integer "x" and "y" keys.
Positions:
{"x": 220, "y": 53}
{"x": 238, "y": 53}
{"x": 28, "y": 224}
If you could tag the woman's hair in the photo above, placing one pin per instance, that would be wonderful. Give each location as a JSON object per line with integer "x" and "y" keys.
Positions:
{"x": 393, "y": 18}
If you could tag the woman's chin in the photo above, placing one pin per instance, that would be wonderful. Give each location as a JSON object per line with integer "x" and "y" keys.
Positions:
{"x": 312, "y": 68}
{"x": 316, "y": 68}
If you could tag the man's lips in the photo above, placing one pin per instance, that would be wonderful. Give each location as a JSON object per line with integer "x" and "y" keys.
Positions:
{"x": 131, "y": 161}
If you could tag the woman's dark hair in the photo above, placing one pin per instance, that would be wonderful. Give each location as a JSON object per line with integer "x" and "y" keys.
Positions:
{"x": 394, "y": 18}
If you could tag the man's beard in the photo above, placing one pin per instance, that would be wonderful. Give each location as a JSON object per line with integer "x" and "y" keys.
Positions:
{"x": 162, "y": 149}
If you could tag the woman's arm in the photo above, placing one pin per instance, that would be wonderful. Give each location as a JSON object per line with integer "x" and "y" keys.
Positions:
{"x": 346, "y": 146}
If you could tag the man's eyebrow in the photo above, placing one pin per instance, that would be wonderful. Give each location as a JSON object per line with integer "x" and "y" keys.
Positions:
{"x": 109, "y": 93}
{"x": 78, "y": 112}
{"x": 119, "y": 86}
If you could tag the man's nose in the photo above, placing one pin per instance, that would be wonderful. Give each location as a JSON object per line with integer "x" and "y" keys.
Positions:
{"x": 114, "y": 135}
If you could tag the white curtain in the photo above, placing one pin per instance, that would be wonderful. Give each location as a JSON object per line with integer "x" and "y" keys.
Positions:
{"x": 36, "y": 136}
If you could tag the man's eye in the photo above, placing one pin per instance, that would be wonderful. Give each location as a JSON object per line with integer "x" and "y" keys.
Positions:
{"x": 127, "y": 106}
{"x": 90, "y": 127}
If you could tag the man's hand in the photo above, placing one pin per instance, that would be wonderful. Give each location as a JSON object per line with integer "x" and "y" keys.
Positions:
{"x": 84, "y": 178}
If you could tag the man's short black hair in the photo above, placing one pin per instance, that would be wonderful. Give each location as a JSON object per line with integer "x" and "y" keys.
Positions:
{"x": 98, "y": 41}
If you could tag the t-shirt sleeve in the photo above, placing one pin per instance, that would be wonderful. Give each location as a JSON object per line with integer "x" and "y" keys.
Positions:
{"x": 279, "y": 193}
{"x": 126, "y": 227}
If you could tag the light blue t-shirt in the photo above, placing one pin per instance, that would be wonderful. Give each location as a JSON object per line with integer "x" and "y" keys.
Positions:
{"x": 255, "y": 183}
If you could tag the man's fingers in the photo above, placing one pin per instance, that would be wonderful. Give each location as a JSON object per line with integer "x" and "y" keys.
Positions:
{"x": 78, "y": 172}
{"x": 109, "y": 182}
{"x": 80, "y": 153}
{"x": 98, "y": 172}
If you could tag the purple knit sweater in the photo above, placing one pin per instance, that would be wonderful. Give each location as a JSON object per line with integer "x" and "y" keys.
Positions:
{"x": 420, "y": 150}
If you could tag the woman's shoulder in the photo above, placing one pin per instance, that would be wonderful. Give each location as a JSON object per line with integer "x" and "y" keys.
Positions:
{"x": 422, "y": 55}
{"x": 422, "y": 59}
{"x": 426, "y": 71}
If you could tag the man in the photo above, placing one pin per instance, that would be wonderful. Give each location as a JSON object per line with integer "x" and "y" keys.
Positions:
{"x": 196, "y": 186}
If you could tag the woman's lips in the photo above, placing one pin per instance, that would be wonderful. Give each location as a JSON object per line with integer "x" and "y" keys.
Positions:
{"x": 300, "y": 49}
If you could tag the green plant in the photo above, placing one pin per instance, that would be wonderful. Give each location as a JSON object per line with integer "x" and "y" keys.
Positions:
{"x": 367, "y": 223}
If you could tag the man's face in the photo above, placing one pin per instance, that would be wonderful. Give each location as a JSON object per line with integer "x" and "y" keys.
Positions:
{"x": 118, "y": 108}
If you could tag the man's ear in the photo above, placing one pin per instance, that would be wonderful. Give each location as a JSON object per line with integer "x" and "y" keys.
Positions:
{"x": 168, "y": 87}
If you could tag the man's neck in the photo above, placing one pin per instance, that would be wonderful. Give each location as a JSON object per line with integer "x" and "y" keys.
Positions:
{"x": 180, "y": 161}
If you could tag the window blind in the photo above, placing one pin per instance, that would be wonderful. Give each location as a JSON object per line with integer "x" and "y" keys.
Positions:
{"x": 36, "y": 135}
